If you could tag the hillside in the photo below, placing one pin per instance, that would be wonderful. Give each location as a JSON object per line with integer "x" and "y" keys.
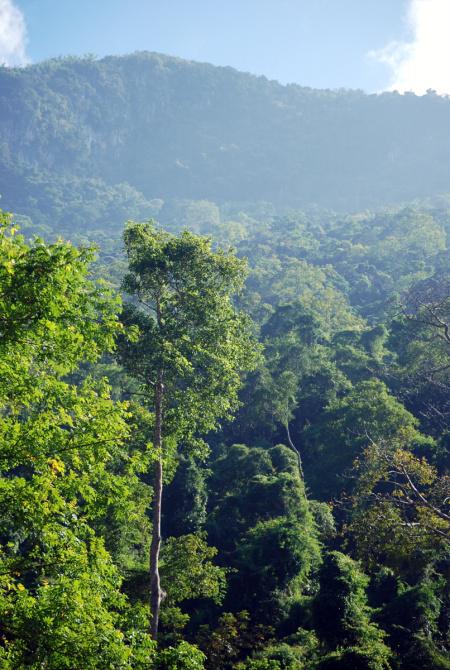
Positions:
{"x": 90, "y": 141}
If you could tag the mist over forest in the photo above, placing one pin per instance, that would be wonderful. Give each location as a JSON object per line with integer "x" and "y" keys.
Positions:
{"x": 224, "y": 371}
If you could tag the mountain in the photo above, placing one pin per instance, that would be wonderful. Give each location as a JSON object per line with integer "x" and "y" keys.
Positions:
{"x": 90, "y": 142}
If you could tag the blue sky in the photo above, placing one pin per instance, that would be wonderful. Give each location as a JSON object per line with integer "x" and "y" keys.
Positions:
{"x": 320, "y": 43}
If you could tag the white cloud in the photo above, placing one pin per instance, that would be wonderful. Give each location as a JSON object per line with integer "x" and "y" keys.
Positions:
{"x": 424, "y": 62}
{"x": 13, "y": 35}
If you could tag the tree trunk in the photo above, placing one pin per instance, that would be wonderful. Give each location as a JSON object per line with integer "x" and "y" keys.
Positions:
{"x": 156, "y": 594}
{"x": 294, "y": 448}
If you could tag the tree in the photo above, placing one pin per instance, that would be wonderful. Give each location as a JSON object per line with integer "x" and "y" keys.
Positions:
{"x": 191, "y": 346}
{"x": 417, "y": 625}
{"x": 421, "y": 337}
{"x": 185, "y": 499}
{"x": 261, "y": 522}
{"x": 291, "y": 336}
{"x": 188, "y": 569}
{"x": 401, "y": 508}
{"x": 183, "y": 657}
{"x": 62, "y": 450}
{"x": 368, "y": 411}
{"x": 343, "y": 618}
{"x": 234, "y": 637}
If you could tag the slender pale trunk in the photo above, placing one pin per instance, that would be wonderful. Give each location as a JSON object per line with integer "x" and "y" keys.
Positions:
{"x": 156, "y": 593}
{"x": 294, "y": 448}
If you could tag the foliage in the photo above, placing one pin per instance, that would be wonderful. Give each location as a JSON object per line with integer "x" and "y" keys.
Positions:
{"x": 198, "y": 340}
{"x": 413, "y": 619}
{"x": 64, "y": 465}
{"x": 188, "y": 571}
{"x": 368, "y": 412}
{"x": 343, "y": 619}
{"x": 182, "y": 657}
{"x": 401, "y": 508}
{"x": 185, "y": 499}
{"x": 261, "y": 523}
{"x": 234, "y": 637}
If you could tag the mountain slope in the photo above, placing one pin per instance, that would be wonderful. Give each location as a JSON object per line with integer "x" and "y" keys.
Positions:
{"x": 177, "y": 129}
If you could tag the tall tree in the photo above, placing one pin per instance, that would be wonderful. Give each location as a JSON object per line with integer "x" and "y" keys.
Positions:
{"x": 190, "y": 348}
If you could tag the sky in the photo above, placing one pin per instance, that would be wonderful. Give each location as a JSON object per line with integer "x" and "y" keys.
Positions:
{"x": 373, "y": 45}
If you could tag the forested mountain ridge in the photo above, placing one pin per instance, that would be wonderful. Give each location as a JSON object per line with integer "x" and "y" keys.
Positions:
{"x": 170, "y": 128}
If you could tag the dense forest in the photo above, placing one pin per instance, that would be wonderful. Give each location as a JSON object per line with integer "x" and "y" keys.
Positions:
{"x": 225, "y": 423}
